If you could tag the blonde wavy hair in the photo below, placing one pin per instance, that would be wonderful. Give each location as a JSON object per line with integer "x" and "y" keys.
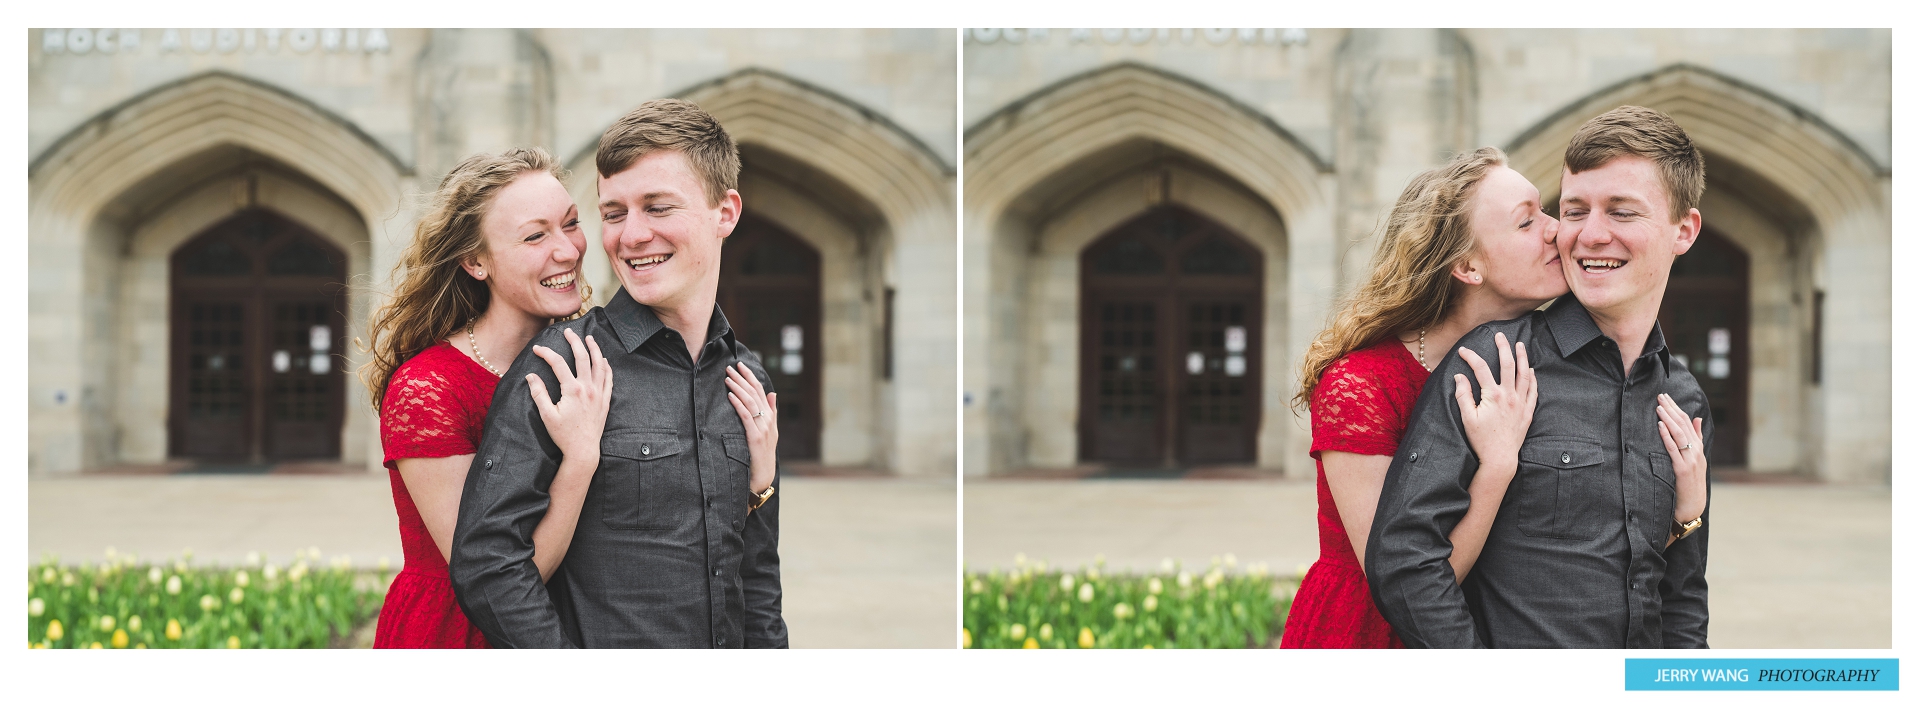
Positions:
{"x": 435, "y": 296}
{"x": 1410, "y": 285}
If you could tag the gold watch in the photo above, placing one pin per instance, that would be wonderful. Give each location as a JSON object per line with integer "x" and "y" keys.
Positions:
{"x": 1682, "y": 530}
{"x": 761, "y": 499}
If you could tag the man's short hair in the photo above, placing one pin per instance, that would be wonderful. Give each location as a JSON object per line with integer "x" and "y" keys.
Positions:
{"x": 673, "y": 125}
{"x": 1631, "y": 130}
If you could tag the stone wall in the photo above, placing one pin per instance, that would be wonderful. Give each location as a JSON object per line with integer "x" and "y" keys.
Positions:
{"x": 1797, "y": 125}
{"x": 134, "y": 144}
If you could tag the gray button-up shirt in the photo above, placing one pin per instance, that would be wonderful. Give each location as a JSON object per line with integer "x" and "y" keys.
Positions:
{"x": 666, "y": 553}
{"x": 1577, "y": 557}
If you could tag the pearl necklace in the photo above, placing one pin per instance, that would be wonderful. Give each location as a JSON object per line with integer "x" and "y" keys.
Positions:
{"x": 1423, "y": 349}
{"x": 475, "y": 344}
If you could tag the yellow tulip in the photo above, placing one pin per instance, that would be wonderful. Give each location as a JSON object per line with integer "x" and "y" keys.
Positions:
{"x": 106, "y": 623}
{"x": 140, "y": 646}
{"x": 55, "y": 631}
{"x": 1148, "y": 646}
{"x": 1086, "y": 637}
{"x": 1017, "y": 631}
{"x": 120, "y": 638}
{"x": 37, "y": 646}
{"x": 173, "y": 629}
{"x": 1031, "y": 644}
{"x": 233, "y": 642}
{"x": 133, "y": 623}
{"x": 966, "y": 638}
{"x": 1046, "y": 631}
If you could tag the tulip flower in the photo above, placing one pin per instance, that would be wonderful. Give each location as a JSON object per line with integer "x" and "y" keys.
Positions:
{"x": 241, "y": 578}
{"x": 55, "y": 631}
{"x": 1031, "y": 644}
{"x": 966, "y": 638}
{"x": 237, "y": 595}
{"x": 173, "y": 585}
{"x": 173, "y": 629}
{"x": 1046, "y": 631}
{"x": 120, "y": 638}
{"x": 36, "y": 606}
{"x": 1017, "y": 631}
{"x": 1086, "y": 593}
{"x": 233, "y": 642}
{"x": 133, "y": 623}
{"x": 1086, "y": 637}
{"x": 106, "y": 623}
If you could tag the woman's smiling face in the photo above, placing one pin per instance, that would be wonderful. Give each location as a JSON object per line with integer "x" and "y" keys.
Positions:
{"x": 1514, "y": 239}
{"x": 534, "y": 243}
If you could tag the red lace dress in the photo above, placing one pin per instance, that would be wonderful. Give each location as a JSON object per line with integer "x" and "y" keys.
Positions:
{"x": 436, "y": 406}
{"x": 1361, "y": 405}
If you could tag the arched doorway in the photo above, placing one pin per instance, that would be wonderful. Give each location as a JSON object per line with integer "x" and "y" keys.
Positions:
{"x": 770, "y": 292}
{"x": 1170, "y": 343}
{"x": 257, "y": 337}
{"x": 1705, "y": 317}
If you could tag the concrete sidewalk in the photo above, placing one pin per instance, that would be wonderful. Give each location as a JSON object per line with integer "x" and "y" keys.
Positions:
{"x": 1792, "y": 566}
{"x": 865, "y": 563}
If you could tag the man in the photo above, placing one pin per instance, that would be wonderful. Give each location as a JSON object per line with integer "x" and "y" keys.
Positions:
{"x": 670, "y": 549}
{"x": 1589, "y": 549}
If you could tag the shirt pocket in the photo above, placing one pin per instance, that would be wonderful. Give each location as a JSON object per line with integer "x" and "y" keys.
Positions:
{"x": 636, "y": 478}
{"x": 1665, "y": 492}
{"x": 1553, "y": 472}
{"x": 739, "y": 478}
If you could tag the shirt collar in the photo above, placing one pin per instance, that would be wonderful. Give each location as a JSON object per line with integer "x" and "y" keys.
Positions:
{"x": 636, "y": 323}
{"x": 1573, "y": 328}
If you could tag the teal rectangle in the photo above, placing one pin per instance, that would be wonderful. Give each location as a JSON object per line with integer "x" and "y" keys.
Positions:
{"x": 1763, "y": 674}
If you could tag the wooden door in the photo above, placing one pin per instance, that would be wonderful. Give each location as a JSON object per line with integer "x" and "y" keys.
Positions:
{"x": 1705, "y": 317}
{"x": 770, "y": 292}
{"x": 258, "y": 335}
{"x": 1170, "y": 331}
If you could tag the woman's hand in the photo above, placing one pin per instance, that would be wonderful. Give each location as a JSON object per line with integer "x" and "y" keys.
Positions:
{"x": 1497, "y": 426}
{"x": 1687, "y": 447}
{"x": 760, "y": 413}
{"x": 576, "y": 422}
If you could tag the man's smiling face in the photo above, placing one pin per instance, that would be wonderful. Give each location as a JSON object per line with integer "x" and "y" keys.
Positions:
{"x": 1618, "y": 237}
{"x": 661, "y": 235}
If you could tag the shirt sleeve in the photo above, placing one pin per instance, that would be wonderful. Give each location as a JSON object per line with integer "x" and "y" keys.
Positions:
{"x": 1351, "y": 411}
{"x": 760, "y": 562}
{"x": 1424, "y": 497}
{"x": 1683, "y": 588}
{"x": 422, "y": 416}
{"x": 492, "y": 569}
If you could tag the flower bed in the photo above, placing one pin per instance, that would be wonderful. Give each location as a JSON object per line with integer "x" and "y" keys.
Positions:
{"x": 122, "y": 603}
{"x": 1033, "y": 607}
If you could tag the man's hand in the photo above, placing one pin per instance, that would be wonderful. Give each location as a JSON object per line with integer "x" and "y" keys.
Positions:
{"x": 576, "y": 422}
{"x": 760, "y": 413}
{"x": 1497, "y": 425}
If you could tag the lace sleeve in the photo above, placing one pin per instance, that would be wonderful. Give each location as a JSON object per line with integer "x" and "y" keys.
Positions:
{"x": 422, "y": 416}
{"x": 1352, "y": 412}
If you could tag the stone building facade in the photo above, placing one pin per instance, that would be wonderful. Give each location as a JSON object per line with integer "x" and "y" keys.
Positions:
{"x": 156, "y": 154}
{"x": 1249, "y": 169}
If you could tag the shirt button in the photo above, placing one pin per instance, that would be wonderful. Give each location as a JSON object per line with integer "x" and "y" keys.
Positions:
{"x": 721, "y": 642}
{"x": 1413, "y": 456}
{"x": 1566, "y": 458}
{"x": 646, "y": 449}
{"x": 716, "y": 573}
{"x": 709, "y": 502}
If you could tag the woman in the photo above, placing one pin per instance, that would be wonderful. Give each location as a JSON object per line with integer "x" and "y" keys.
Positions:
{"x": 1466, "y": 243}
{"x": 495, "y": 260}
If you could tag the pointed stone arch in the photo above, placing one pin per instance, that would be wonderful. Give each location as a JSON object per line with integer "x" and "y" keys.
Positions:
{"x": 878, "y": 204}
{"x": 1054, "y": 147}
{"x": 95, "y": 188}
{"x": 1828, "y": 200}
